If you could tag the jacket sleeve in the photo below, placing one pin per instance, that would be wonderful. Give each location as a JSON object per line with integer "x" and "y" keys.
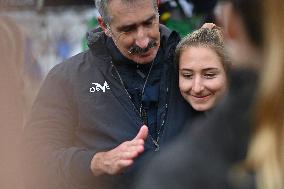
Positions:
{"x": 51, "y": 158}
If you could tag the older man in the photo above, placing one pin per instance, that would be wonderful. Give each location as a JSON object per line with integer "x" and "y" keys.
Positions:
{"x": 100, "y": 112}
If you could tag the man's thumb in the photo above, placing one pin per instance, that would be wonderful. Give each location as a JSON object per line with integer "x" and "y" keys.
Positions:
{"x": 143, "y": 133}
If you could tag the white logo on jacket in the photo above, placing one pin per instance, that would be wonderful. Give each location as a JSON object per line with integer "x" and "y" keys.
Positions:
{"x": 98, "y": 87}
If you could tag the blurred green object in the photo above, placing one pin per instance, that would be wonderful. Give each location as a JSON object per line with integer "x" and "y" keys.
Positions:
{"x": 184, "y": 26}
{"x": 91, "y": 24}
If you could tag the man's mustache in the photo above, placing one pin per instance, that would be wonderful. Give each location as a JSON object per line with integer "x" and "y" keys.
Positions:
{"x": 136, "y": 50}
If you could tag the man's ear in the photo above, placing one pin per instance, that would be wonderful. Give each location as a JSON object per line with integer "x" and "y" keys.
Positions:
{"x": 104, "y": 26}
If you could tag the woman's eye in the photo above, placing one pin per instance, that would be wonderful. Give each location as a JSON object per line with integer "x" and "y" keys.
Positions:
{"x": 187, "y": 76}
{"x": 210, "y": 75}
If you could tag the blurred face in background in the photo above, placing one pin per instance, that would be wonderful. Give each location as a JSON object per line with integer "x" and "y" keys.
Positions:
{"x": 134, "y": 27}
{"x": 241, "y": 47}
{"x": 202, "y": 77}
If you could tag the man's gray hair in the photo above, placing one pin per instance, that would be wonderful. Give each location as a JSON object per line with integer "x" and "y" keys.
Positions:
{"x": 102, "y": 6}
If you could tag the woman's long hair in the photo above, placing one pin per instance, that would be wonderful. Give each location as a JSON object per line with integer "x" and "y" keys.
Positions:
{"x": 266, "y": 155}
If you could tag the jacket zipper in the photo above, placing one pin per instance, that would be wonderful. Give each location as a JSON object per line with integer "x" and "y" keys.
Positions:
{"x": 156, "y": 142}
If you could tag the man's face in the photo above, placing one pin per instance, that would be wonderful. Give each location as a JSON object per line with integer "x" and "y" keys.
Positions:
{"x": 134, "y": 27}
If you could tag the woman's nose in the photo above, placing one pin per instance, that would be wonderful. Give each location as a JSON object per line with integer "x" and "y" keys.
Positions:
{"x": 197, "y": 86}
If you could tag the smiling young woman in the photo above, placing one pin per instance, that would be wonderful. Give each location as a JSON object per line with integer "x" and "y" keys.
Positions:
{"x": 203, "y": 66}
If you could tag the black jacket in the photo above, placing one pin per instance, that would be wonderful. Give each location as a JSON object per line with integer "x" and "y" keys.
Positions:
{"x": 204, "y": 158}
{"x": 82, "y": 108}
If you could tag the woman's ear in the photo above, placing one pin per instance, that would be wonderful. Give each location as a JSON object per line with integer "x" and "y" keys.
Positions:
{"x": 104, "y": 26}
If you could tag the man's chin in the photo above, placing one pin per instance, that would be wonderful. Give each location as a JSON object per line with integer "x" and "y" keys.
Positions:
{"x": 145, "y": 59}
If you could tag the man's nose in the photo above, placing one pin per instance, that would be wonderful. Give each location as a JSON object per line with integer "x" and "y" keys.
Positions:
{"x": 142, "y": 39}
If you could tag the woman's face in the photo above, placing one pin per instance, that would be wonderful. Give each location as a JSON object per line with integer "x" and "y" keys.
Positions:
{"x": 202, "y": 77}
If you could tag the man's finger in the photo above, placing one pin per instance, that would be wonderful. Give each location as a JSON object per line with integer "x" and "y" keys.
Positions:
{"x": 139, "y": 148}
{"x": 143, "y": 133}
{"x": 122, "y": 164}
{"x": 129, "y": 155}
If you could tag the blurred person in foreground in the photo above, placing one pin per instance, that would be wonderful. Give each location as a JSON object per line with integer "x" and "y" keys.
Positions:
{"x": 18, "y": 85}
{"x": 203, "y": 67}
{"x": 12, "y": 102}
{"x": 99, "y": 113}
{"x": 241, "y": 145}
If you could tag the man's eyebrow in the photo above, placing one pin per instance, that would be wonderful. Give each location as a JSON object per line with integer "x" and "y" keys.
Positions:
{"x": 121, "y": 28}
{"x": 150, "y": 18}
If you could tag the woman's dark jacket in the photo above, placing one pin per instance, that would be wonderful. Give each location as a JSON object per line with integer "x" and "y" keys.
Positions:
{"x": 204, "y": 157}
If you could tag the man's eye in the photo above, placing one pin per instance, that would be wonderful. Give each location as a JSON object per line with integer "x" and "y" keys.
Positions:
{"x": 126, "y": 30}
{"x": 148, "y": 24}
